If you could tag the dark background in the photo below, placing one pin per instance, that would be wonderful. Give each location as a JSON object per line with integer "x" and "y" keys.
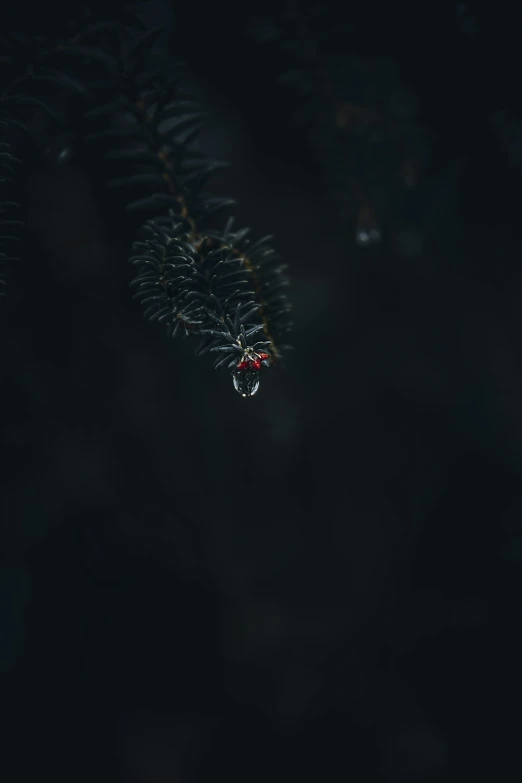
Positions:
{"x": 318, "y": 583}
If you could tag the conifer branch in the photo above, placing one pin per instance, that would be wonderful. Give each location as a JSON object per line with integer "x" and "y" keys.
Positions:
{"x": 108, "y": 88}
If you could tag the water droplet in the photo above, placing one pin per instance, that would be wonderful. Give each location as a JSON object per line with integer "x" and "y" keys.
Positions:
{"x": 365, "y": 237}
{"x": 367, "y": 231}
{"x": 246, "y": 382}
{"x": 362, "y": 237}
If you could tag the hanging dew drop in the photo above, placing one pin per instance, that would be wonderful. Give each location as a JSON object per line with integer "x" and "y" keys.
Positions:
{"x": 367, "y": 231}
{"x": 362, "y": 237}
{"x": 246, "y": 382}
